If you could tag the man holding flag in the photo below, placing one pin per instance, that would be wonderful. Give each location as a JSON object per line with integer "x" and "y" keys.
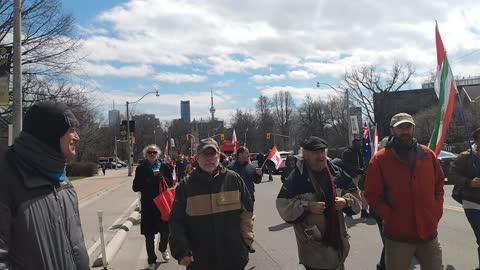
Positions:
{"x": 404, "y": 187}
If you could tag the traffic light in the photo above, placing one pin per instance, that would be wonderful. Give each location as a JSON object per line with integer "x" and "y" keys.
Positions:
{"x": 222, "y": 137}
{"x": 268, "y": 136}
{"x": 123, "y": 131}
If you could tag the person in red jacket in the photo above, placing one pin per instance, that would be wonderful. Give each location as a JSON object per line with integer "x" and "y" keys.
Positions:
{"x": 404, "y": 186}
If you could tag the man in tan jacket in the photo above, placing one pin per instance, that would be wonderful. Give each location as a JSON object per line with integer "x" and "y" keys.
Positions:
{"x": 313, "y": 198}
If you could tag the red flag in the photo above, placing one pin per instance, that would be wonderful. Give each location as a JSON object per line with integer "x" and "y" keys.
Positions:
{"x": 275, "y": 157}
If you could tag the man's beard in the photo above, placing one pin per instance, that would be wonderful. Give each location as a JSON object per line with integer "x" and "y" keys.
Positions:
{"x": 404, "y": 139}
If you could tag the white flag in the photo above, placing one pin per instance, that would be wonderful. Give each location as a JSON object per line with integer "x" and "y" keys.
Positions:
{"x": 234, "y": 142}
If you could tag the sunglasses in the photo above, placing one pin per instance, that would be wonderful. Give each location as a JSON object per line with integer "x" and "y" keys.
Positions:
{"x": 152, "y": 152}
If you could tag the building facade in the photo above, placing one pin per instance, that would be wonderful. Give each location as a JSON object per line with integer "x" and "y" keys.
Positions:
{"x": 185, "y": 111}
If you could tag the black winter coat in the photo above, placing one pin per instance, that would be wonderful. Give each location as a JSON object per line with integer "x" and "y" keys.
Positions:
{"x": 148, "y": 184}
{"x": 39, "y": 222}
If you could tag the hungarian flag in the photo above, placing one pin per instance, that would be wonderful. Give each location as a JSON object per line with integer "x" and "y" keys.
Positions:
{"x": 275, "y": 157}
{"x": 446, "y": 91}
{"x": 366, "y": 144}
{"x": 234, "y": 142}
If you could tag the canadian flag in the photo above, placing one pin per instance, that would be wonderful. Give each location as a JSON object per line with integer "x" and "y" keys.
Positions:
{"x": 234, "y": 142}
{"x": 275, "y": 157}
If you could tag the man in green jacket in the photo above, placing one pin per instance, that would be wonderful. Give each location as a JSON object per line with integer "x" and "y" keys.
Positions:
{"x": 465, "y": 176}
{"x": 211, "y": 224}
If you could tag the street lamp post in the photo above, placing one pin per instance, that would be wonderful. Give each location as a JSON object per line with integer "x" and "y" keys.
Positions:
{"x": 129, "y": 140}
{"x": 349, "y": 121}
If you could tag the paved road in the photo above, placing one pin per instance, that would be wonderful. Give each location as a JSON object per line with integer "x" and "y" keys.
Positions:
{"x": 276, "y": 246}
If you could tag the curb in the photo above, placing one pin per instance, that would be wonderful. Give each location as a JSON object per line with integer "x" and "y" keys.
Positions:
{"x": 114, "y": 245}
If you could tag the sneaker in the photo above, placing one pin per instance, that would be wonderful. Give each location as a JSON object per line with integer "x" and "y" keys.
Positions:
{"x": 152, "y": 266}
{"x": 166, "y": 255}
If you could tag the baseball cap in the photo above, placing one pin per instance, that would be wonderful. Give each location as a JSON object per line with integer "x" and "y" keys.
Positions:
{"x": 207, "y": 143}
{"x": 401, "y": 118}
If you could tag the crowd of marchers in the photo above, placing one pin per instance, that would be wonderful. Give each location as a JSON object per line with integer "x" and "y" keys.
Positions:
{"x": 211, "y": 223}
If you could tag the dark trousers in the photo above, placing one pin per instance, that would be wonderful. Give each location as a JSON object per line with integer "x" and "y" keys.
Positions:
{"x": 473, "y": 217}
{"x": 150, "y": 244}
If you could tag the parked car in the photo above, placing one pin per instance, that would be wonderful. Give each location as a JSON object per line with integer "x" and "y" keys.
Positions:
{"x": 122, "y": 163}
{"x": 445, "y": 159}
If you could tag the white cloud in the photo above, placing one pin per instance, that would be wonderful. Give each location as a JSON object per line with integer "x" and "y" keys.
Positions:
{"x": 298, "y": 93}
{"x": 305, "y": 44}
{"x": 230, "y": 36}
{"x": 268, "y": 78}
{"x": 177, "y": 78}
{"x": 224, "y": 83}
{"x": 300, "y": 75}
{"x": 92, "y": 69}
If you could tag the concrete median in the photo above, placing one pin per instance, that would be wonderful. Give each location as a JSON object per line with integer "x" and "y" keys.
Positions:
{"x": 114, "y": 245}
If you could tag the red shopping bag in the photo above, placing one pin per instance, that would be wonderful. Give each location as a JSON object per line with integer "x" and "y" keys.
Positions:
{"x": 164, "y": 200}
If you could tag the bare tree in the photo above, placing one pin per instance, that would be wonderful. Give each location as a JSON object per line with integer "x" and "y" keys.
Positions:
{"x": 48, "y": 44}
{"x": 337, "y": 118}
{"x": 48, "y": 51}
{"x": 265, "y": 122}
{"x": 283, "y": 107}
{"x": 361, "y": 83}
{"x": 245, "y": 125}
{"x": 311, "y": 117}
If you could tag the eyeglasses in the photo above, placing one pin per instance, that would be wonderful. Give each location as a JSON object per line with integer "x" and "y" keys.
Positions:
{"x": 152, "y": 152}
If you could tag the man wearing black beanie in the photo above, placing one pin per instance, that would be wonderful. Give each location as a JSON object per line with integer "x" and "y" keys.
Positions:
{"x": 39, "y": 217}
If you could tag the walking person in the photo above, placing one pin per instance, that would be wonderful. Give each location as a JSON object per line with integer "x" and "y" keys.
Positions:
{"x": 211, "y": 221}
{"x": 148, "y": 180}
{"x": 104, "y": 168}
{"x": 404, "y": 187}
{"x": 352, "y": 160}
{"x": 39, "y": 218}
{"x": 243, "y": 166}
{"x": 465, "y": 174}
{"x": 313, "y": 198}
{"x": 381, "y": 263}
{"x": 289, "y": 166}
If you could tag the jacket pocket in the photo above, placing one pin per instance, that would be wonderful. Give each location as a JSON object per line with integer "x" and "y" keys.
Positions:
{"x": 226, "y": 201}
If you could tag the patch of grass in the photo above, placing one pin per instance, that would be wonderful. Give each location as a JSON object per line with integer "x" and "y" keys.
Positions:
{"x": 73, "y": 178}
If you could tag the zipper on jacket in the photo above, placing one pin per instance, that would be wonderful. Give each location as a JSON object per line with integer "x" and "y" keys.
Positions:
{"x": 55, "y": 193}
{"x": 64, "y": 225}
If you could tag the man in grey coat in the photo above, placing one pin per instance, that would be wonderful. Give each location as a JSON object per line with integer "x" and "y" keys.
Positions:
{"x": 39, "y": 219}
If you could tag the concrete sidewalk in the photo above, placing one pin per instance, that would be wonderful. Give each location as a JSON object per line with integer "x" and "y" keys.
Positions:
{"x": 90, "y": 187}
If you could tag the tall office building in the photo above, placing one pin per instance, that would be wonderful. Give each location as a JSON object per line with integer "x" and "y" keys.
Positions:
{"x": 185, "y": 111}
{"x": 114, "y": 120}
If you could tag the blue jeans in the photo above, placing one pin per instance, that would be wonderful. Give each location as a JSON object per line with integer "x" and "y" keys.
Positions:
{"x": 473, "y": 217}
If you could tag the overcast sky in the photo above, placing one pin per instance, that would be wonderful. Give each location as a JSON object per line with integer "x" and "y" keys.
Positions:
{"x": 242, "y": 49}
